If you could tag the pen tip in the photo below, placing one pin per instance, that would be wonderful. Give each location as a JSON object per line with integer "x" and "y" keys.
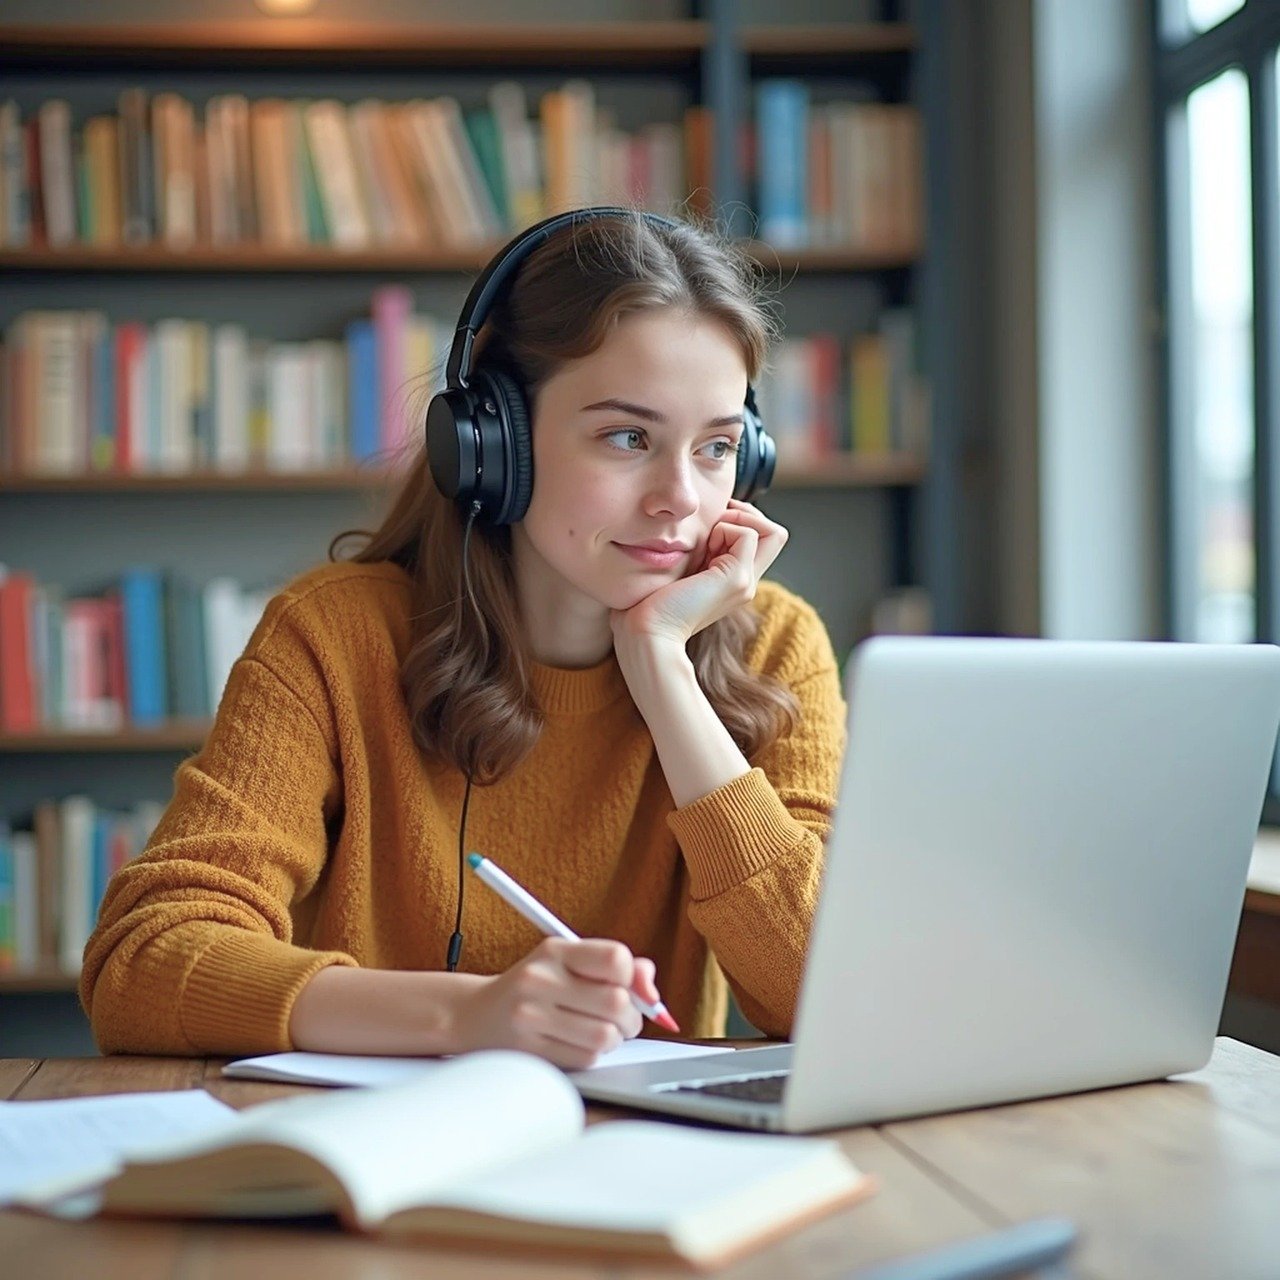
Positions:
{"x": 474, "y": 860}
{"x": 667, "y": 1022}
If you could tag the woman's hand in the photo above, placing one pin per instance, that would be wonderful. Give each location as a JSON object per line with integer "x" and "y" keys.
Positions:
{"x": 742, "y": 545}
{"x": 565, "y": 1001}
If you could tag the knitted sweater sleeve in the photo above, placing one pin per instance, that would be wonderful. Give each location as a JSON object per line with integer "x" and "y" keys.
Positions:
{"x": 193, "y": 951}
{"x": 754, "y": 847}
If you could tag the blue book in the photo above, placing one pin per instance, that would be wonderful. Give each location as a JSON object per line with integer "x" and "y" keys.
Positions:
{"x": 103, "y": 449}
{"x": 146, "y": 664}
{"x": 8, "y": 922}
{"x": 782, "y": 151}
{"x": 100, "y": 861}
{"x": 362, "y": 391}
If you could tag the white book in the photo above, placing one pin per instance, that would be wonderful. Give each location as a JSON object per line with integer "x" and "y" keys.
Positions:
{"x": 288, "y": 446}
{"x": 520, "y": 158}
{"x": 75, "y": 823}
{"x": 222, "y": 643}
{"x": 176, "y": 435}
{"x": 432, "y": 153}
{"x": 55, "y": 340}
{"x": 230, "y": 398}
{"x": 57, "y": 178}
{"x": 381, "y": 211}
{"x": 492, "y": 1148}
{"x": 344, "y": 207}
{"x": 473, "y": 186}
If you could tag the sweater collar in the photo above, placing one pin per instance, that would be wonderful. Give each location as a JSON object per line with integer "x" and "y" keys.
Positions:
{"x": 577, "y": 691}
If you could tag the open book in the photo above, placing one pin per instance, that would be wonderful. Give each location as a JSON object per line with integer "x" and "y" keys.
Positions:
{"x": 492, "y": 1147}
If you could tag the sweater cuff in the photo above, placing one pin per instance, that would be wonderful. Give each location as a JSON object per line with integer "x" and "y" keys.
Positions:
{"x": 240, "y": 992}
{"x": 733, "y": 832}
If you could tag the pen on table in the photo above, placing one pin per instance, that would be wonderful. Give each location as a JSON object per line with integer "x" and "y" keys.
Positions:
{"x": 533, "y": 911}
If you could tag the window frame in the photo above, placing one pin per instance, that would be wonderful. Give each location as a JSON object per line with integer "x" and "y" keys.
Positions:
{"x": 1248, "y": 39}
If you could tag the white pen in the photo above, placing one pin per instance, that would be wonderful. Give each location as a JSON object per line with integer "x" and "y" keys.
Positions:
{"x": 533, "y": 911}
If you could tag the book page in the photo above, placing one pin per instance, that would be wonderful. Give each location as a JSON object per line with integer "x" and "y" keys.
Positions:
{"x": 355, "y": 1069}
{"x": 401, "y": 1144}
{"x": 51, "y": 1147}
{"x": 705, "y": 1190}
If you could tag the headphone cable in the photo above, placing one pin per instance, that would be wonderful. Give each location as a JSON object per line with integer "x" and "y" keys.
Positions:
{"x": 455, "y": 942}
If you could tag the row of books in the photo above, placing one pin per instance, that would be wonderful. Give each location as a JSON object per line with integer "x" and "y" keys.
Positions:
{"x": 826, "y": 395}
{"x": 296, "y": 172}
{"x": 79, "y": 394}
{"x": 836, "y": 173}
{"x": 427, "y": 173}
{"x": 53, "y": 876}
{"x": 152, "y": 647}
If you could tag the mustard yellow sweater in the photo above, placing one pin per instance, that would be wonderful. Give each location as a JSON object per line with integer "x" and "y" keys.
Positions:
{"x": 311, "y": 831}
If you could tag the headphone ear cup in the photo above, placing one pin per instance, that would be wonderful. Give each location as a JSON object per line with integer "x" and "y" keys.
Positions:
{"x": 518, "y": 448}
{"x": 757, "y": 456}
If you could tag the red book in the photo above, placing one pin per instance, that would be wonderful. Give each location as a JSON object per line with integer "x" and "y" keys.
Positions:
{"x": 824, "y": 353}
{"x": 35, "y": 183}
{"x": 117, "y": 689}
{"x": 130, "y": 350}
{"x": 17, "y": 667}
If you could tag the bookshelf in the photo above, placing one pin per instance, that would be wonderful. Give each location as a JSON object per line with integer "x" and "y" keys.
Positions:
{"x": 895, "y": 513}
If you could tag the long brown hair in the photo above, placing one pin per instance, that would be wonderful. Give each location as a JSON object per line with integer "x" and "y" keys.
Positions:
{"x": 466, "y": 676}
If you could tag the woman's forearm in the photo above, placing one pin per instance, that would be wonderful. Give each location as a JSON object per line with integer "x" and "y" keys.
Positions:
{"x": 697, "y": 753}
{"x": 380, "y": 1011}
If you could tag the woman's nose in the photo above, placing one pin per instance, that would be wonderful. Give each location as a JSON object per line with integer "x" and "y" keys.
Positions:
{"x": 673, "y": 490}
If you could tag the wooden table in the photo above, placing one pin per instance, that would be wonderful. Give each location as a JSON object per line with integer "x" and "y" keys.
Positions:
{"x": 1173, "y": 1179}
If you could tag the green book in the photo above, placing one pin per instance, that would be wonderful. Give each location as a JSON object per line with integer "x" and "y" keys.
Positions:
{"x": 317, "y": 230}
{"x": 482, "y": 129}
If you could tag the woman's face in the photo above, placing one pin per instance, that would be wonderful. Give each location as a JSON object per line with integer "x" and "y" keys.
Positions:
{"x": 634, "y": 456}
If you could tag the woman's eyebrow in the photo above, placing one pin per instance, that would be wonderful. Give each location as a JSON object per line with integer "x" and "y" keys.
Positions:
{"x": 652, "y": 415}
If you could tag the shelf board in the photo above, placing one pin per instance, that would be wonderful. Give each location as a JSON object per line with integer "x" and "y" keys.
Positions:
{"x": 295, "y": 42}
{"x": 300, "y": 42}
{"x": 340, "y": 480}
{"x": 177, "y": 735}
{"x": 841, "y": 471}
{"x": 254, "y": 258}
{"x": 38, "y": 980}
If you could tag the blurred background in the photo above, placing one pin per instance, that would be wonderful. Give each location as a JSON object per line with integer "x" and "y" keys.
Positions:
{"x": 1026, "y": 254}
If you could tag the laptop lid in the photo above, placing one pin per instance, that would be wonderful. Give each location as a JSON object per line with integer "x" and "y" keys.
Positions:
{"x": 1035, "y": 874}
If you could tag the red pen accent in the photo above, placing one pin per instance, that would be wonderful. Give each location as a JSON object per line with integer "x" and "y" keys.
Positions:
{"x": 664, "y": 1019}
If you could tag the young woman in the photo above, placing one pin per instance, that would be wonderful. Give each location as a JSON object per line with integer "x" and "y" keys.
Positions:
{"x": 653, "y": 733}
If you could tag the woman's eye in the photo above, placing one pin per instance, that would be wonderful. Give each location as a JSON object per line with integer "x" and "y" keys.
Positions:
{"x": 721, "y": 449}
{"x": 628, "y": 439}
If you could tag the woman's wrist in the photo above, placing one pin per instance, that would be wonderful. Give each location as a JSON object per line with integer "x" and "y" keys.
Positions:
{"x": 651, "y": 666}
{"x": 381, "y": 1011}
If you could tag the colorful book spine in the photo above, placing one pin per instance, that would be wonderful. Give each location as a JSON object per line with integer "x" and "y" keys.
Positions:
{"x": 140, "y": 594}
{"x": 782, "y": 108}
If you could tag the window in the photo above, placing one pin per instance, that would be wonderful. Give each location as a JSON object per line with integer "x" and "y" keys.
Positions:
{"x": 1212, "y": 321}
{"x": 1216, "y": 67}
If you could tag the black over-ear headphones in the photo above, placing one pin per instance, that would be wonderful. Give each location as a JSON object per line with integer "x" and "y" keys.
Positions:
{"x": 478, "y": 427}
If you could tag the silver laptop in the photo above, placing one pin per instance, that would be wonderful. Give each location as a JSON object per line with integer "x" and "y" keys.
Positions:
{"x": 1032, "y": 885}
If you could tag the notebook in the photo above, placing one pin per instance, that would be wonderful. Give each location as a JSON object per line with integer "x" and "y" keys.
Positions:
{"x": 491, "y": 1147}
{"x": 359, "y": 1070}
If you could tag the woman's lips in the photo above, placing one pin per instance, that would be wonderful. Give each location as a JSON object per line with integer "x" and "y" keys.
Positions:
{"x": 652, "y": 559}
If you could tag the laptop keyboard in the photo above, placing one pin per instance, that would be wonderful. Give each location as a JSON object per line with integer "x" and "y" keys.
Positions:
{"x": 763, "y": 1088}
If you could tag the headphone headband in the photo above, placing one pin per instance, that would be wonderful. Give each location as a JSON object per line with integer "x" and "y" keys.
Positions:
{"x": 484, "y": 292}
